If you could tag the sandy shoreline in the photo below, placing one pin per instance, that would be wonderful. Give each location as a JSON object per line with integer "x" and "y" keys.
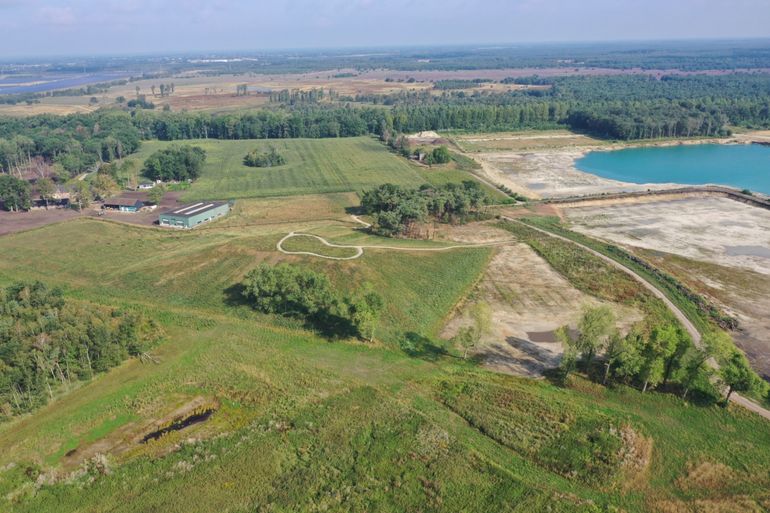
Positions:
{"x": 552, "y": 173}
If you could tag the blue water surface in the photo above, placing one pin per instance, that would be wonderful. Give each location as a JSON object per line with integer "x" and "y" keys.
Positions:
{"x": 52, "y": 83}
{"x": 741, "y": 166}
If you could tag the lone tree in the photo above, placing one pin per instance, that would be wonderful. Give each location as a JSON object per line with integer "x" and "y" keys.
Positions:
{"x": 156, "y": 194}
{"x": 46, "y": 189}
{"x": 364, "y": 310}
{"x": 594, "y": 329}
{"x": 737, "y": 374}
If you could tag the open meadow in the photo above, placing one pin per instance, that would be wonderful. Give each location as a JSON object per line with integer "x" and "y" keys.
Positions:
{"x": 312, "y": 166}
{"x": 286, "y": 400}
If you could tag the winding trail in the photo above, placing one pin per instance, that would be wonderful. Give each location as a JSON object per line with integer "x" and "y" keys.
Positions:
{"x": 360, "y": 248}
{"x": 689, "y": 326}
{"x": 681, "y": 317}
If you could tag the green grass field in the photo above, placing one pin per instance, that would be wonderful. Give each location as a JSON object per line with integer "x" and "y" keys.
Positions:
{"x": 313, "y": 166}
{"x": 304, "y": 423}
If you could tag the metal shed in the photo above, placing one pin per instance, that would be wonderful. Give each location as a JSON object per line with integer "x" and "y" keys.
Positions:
{"x": 190, "y": 216}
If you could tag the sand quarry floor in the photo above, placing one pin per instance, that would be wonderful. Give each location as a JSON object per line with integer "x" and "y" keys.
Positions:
{"x": 529, "y": 300}
{"x": 711, "y": 229}
{"x": 542, "y": 164}
{"x": 718, "y": 246}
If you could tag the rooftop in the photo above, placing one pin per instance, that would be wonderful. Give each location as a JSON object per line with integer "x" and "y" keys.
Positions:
{"x": 122, "y": 201}
{"x": 194, "y": 209}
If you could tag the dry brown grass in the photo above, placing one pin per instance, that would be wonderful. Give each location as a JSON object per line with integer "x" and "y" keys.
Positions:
{"x": 706, "y": 475}
{"x": 637, "y": 454}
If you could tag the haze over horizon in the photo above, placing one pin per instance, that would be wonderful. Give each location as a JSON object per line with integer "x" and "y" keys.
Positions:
{"x": 51, "y": 27}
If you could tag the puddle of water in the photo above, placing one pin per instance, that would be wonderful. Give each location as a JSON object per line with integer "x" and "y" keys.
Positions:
{"x": 179, "y": 424}
{"x": 756, "y": 251}
{"x": 548, "y": 337}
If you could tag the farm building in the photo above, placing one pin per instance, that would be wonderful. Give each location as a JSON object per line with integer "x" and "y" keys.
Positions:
{"x": 190, "y": 216}
{"x": 124, "y": 204}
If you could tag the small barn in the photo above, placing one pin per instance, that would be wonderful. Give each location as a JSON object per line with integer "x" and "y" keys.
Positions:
{"x": 124, "y": 204}
{"x": 190, "y": 216}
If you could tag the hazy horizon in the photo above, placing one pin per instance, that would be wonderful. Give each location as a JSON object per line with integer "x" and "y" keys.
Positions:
{"x": 85, "y": 27}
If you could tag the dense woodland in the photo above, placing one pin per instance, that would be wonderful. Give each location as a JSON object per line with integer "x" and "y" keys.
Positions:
{"x": 48, "y": 342}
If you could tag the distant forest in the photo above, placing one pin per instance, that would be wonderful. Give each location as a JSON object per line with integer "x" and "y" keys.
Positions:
{"x": 613, "y": 107}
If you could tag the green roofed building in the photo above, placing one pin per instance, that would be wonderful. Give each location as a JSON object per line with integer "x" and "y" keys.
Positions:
{"x": 190, "y": 216}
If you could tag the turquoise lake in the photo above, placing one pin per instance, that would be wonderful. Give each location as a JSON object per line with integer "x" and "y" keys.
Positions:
{"x": 741, "y": 166}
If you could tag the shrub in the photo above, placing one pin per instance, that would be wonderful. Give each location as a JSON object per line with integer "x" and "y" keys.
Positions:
{"x": 270, "y": 158}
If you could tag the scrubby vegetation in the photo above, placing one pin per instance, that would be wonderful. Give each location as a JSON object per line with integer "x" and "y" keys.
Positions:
{"x": 395, "y": 209}
{"x": 48, "y": 342}
{"x": 269, "y": 158}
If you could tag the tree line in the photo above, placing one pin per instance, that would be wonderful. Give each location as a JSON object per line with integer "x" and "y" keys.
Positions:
{"x": 660, "y": 356}
{"x": 49, "y": 343}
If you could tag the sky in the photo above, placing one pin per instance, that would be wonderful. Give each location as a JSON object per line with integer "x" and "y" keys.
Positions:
{"x": 90, "y": 27}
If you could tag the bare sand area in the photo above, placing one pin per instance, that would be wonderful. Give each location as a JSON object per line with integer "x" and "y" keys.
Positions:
{"x": 529, "y": 300}
{"x": 710, "y": 229}
{"x": 551, "y": 173}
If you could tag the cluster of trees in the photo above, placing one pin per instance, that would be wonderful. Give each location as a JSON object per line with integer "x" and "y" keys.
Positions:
{"x": 394, "y": 209}
{"x": 296, "y": 291}
{"x": 175, "y": 163}
{"x": 438, "y": 155}
{"x": 459, "y": 83}
{"x": 298, "y": 96}
{"x": 140, "y": 102}
{"x": 14, "y": 193}
{"x": 661, "y": 356}
{"x": 48, "y": 342}
{"x": 269, "y": 158}
{"x": 165, "y": 89}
